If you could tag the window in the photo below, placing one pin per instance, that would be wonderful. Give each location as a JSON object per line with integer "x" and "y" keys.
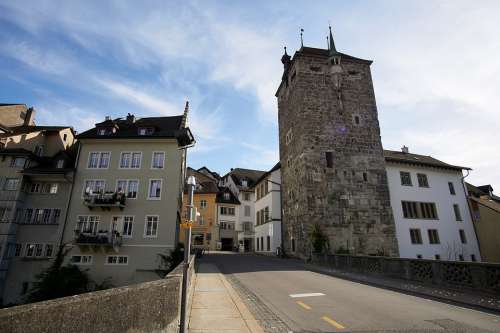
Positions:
{"x": 130, "y": 187}
{"x": 247, "y": 210}
{"x": 356, "y": 120}
{"x": 463, "y": 239}
{"x": 268, "y": 247}
{"x": 201, "y": 220}
{"x": 226, "y": 196}
{"x": 81, "y": 260}
{"x": 456, "y": 209}
{"x": 28, "y": 215}
{"x": 60, "y": 163}
{"x": 49, "y": 250}
{"x": 30, "y": 250}
{"x": 472, "y": 257}
{"x": 146, "y": 131}
{"x": 117, "y": 260}
{"x": 38, "y": 216}
{"x": 88, "y": 223}
{"x": 416, "y": 237}
{"x": 102, "y": 131}
{"x": 17, "y": 162}
{"x": 365, "y": 176}
{"x": 452, "y": 188}
{"x": 65, "y": 136}
{"x": 98, "y": 160}
{"x": 94, "y": 186}
{"x": 198, "y": 239}
{"x": 38, "y": 150}
{"x": 405, "y": 178}
{"x": 130, "y": 160}
{"x": 419, "y": 256}
{"x": 226, "y": 225}
{"x": 158, "y": 160}
{"x": 56, "y": 213}
{"x": 154, "y": 189}
{"x": 266, "y": 214}
{"x": 151, "y": 227}
{"x": 46, "y": 216}
{"x": 203, "y": 203}
{"x": 227, "y": 210}
{"x": 35, "y": 188}
{"x": 18, "y": 249}
{"x": 53, "y": 188}
{"x": 419, "y": 210}
{"x": 329, "y": 159}
{"x": 11, "y": 184}
{"x": 433, "y": 236}
{"x": 128, "y": 222}
{"x": 437, "y": 257}
{"x": 422, "y": 180}
{"x": 246, "y": 196}
{"x": 38, "y": 250}
{"x": 258, "y": 247}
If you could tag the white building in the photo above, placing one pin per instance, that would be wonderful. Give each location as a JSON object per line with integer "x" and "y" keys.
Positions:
{"x": 268, "y": 211}
{"x": 240, "y": 182}
{"x": 430, "y": 208}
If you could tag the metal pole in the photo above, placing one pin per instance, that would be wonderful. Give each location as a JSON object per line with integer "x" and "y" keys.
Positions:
{"x": 187, "y": 250}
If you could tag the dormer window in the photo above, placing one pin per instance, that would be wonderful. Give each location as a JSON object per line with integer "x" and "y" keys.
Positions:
{"x": 38, "y": 150}
{"x": 102, "y": 131}
{"x": 60, "y": 164}
{"x": 226, "y": 196}
{"x": 146, "y": 130}
{"x": 244, "y": 183}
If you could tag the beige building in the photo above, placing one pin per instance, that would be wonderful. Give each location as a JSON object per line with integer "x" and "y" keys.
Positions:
{"x": 36, "y": 171}
{"x": 485, "y": 207}
{"x": 127, "y": 198}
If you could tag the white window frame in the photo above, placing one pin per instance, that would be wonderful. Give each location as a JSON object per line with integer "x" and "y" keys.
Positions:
{"x": 203, "y": 203}
{"x": 88, "y": 263}
{"x": 5, "y": 188}
{"x": 98, "y": 160}
{"x": 106, "y": 263}
{"x": 153, "y": 160}
{"x": 60, "y": 164}
{"x": 92, "y": 180}
{"x": 129, "y": 167}
{"x": 96, "y": 222}
{"x": 149, "y": 189}
{"x": 122, "y": 225}
{"x": 127, "y": 187}
{"x": 146, "y": 226}
{"x": 27, "y": 247}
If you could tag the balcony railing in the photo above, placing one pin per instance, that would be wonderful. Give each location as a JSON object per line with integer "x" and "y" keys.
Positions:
{"x": 101, "y": 238}
{"x": 105, "y": 200}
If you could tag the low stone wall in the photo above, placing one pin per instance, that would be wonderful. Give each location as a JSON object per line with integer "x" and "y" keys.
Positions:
{"x": 483, "y": 277}
{"x": 147, "y": 307}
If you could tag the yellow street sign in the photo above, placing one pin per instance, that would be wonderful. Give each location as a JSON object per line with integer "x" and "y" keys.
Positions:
{"x": 186, "y": 225}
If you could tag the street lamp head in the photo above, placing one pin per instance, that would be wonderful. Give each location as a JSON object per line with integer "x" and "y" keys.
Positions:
{"x": 191, "y": 181}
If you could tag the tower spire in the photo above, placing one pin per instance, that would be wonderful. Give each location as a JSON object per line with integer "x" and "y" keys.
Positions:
{"x": 332, "y": 50}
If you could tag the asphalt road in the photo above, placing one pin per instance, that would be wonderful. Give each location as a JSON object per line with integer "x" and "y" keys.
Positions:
{"x": 338, "y": 305}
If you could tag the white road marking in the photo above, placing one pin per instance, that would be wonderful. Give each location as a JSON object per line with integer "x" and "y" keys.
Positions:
{"x": 306, "y": 295}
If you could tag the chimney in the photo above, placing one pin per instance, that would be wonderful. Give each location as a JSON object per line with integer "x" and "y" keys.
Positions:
{"x": 130, "y": 118}
{"x": 28, "y": 119}
{"x": 405, "y": 149}
{"x": 107, "y": 118}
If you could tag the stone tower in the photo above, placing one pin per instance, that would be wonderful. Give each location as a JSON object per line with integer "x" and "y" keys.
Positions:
{"x": 332, "y": 163}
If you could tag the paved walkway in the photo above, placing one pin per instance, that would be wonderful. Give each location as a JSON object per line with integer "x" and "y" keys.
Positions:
{"x": 216, "y": 307}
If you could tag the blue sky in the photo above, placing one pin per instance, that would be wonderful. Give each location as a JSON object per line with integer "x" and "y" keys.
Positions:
{"x": 436, "y": 69}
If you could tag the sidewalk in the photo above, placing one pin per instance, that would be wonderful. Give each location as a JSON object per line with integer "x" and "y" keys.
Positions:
{"x": 216, "y": 307}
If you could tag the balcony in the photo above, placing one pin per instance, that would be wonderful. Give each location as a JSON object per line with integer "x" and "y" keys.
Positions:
{"x": 105, "y": 200}
{"x": 102, "y": 238}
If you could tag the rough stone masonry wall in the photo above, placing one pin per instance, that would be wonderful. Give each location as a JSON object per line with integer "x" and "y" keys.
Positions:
{"x": 319, "y": 106}
{"x": 146, "y": 307}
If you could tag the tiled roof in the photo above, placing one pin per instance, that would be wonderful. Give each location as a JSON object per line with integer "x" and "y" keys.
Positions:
{"x": 204, "y": 187}
{"x": 232, "y": 198}
{"x": 415, "y": 159}
{"x": 164, "y": 127}
{"x": 240, "y": 174}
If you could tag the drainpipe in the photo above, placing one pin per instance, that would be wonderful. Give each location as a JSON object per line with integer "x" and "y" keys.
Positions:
{"x": 470, "y": 211}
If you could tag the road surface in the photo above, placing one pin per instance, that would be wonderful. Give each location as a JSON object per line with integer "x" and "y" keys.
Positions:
{"x": 285, "y": 293}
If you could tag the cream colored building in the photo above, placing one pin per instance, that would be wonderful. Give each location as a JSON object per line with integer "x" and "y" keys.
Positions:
{"x": 126, "y": 202}
{"x": 36, "y": 172}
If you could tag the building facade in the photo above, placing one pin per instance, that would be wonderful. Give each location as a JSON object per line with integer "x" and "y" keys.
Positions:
{"x": 332, "y": 163}
{"x": 37, "y": 170}
{"x": 268, "y": 212}
{"x": 204, "y": 200}
{"x": 127, "y": 197}
{"x": 430, "y": 207}
{"x": 228, "y": 207}
{"x": 485, "y": 208}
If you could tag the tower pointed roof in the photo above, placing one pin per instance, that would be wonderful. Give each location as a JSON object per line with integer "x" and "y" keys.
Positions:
{"x": 331, "y": 49}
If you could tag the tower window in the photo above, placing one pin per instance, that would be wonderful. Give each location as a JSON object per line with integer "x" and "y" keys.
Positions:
{"x": 329, "y": 159}
{"x": 356, "y": 120}
{"x": 365, "y": 176}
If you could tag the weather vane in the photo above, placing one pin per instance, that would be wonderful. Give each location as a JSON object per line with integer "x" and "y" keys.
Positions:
{"x": 301, "y": 37}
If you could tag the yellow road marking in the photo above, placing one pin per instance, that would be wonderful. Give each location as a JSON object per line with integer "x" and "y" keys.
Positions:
{"x": 304, "y": 305}
{"x": 332, "y": 322}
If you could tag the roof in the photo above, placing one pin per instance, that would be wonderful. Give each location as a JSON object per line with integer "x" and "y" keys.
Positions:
{"x": 487, "y": 203}
{"x": 326, "y": 53}
{"x": 48, "y": 165}
{"x": 164, "y": 127}
{"x": 483, "y": 190}
{"x": 274, "y": 168}
{"x": 415, "y": 159}
{"x": 23, "y": 129}
{"x": 204, "y": 188}
{"x": 240, "y": 174}
{"x": 232, "y": 198}
{"x": 206, "y": 171}
{"x": 17, "y": 152}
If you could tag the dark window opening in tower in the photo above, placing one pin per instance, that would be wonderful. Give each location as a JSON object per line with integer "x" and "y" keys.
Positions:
{"x": 365, "y": 176}
{"x": 356, "y": 120}
{"x": 329, "y": 159}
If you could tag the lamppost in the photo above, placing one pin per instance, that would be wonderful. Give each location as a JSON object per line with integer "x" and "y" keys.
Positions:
{"x": 191, "y": 182}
